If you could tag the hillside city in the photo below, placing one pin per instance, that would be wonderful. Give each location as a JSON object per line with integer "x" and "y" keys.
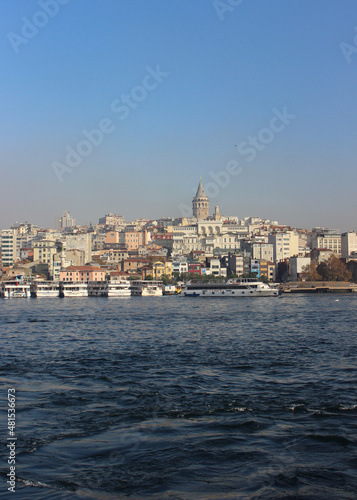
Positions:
{"x": 170, "y": 249}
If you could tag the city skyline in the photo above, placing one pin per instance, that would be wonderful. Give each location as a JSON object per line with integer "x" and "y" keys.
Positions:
{"x": 121, "y": 109}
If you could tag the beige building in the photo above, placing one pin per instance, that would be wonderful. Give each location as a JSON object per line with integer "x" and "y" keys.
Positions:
{"x": 112, "y": 238}
{"x": 80, "y": 242}
{"x": 112, "y": 220}
{"x": 285, "y": 245}
{"x": 326, "y": 238}
{"x": 44, "y": 251}
{"x": 134, "y": 239}
{"x": 319, "y": 255}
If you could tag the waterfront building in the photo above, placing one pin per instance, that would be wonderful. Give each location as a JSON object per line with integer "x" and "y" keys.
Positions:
{"x": 82, "y": 274}
{"x": 216, "y": 269}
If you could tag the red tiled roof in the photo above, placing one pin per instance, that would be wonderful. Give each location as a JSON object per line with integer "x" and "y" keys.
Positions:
{"x": 83, "y": 268}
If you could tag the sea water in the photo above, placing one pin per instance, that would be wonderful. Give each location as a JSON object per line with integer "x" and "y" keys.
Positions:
{"x": 181, "y": 398}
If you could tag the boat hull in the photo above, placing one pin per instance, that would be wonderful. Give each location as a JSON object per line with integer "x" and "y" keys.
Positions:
{"x": 42, "y": 294}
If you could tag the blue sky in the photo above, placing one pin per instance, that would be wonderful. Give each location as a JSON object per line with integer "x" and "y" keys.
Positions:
{"x": 226, "y": 75}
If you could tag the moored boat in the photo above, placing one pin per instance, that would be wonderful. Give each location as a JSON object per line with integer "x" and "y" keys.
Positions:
{"x": 146, "y": 288}
{"x": 245, "y": 287}
{"x": 41, "y": 289}
{"x": 118, "y": 288}
{"x": 97, "y": 289}
{"x": 15, "y": 289}
{"x": 112, "y": 288}
{"x": 79, "y": 289}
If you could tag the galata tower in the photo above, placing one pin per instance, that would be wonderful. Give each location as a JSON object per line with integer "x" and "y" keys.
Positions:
{"x": 200, "y": 203}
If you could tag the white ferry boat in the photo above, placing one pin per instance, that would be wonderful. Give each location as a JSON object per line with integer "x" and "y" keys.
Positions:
{"x": 113, "y": 288}
{"x": 44, "y": 289}
{"x": 118, "y": 288}
{"x": 97, "y": 289}
{"x": 15, "y": 290}
{"x": 245, "y": 287}
{"x": 79, "y": 289}
{"x": 146, "y": 288}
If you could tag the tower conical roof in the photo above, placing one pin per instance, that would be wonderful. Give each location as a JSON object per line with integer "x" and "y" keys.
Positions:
{"x": 200, "y": 191}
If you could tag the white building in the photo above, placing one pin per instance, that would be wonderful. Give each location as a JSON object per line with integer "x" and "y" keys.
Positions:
{"x": 348, "y": 244}
{"x": 216, "y": 269}
{"x": 180, "y": 266}
{"x": 9, "y": 247}
{"x": 285, "y": 245}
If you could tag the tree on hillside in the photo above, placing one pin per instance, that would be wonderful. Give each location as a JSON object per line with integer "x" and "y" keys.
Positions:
{"x": 333, "y": 269}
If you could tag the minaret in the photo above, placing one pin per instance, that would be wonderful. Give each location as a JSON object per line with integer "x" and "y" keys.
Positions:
{"x": 200, "y": 203}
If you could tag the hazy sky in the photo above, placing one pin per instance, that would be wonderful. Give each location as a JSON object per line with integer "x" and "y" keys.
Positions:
{"x": 179, "y": 88}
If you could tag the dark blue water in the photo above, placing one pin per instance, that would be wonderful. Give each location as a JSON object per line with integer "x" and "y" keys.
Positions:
{"x": 179, "y": 398}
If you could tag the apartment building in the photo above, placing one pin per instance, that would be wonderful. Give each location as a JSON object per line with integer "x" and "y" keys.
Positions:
{"x": 326, "y": 238}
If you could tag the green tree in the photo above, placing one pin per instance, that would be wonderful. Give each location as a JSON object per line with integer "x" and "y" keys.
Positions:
{"x": 333, "y": 269}
{"x": 166, "y": 279}
{"x": 149, "y": 277}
